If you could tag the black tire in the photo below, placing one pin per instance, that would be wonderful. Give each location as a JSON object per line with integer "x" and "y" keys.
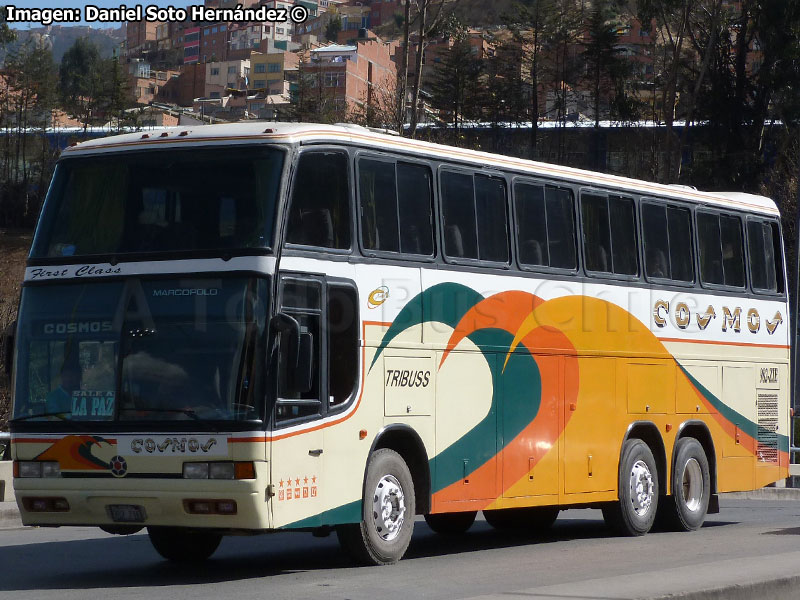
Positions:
{"x": 686, "y": 508}
{"x": 635, "y": 511}
{"x": 532, "y": 519}
{"x": 451, "y": 523}
{"x": 183, "y": 545}
{"x": 382, "y": 539}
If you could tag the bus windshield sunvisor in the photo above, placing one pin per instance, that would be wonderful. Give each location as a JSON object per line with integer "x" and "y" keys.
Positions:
{"x": 161, "y": 201}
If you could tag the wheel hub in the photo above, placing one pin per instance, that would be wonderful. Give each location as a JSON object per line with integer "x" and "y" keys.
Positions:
{"x": 692, "y": 485}
{"x": 388, "y": 507}
{"x": 641, "y": 483}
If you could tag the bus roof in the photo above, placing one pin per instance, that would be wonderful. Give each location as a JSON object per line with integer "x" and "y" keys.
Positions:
{"x": 353, "y": 134}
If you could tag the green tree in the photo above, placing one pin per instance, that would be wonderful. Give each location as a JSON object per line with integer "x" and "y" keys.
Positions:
{"x": 456, "y": 83}
{"x": 80, "y": 79}
{"x": 333, "y": 28}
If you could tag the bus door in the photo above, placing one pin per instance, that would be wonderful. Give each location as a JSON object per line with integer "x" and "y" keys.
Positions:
{"x": 297, "y": 452}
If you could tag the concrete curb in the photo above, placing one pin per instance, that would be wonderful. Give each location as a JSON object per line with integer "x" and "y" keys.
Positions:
{"x": 9, "y": 515}
{"x": 777, "y": 589}
{"x": 767, "y": 493}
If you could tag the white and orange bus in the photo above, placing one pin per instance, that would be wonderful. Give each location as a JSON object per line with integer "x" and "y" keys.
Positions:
{"x": 256, "y": 327}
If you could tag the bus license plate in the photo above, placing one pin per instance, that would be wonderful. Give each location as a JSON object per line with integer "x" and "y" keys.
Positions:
{"x": 126, "y": 513}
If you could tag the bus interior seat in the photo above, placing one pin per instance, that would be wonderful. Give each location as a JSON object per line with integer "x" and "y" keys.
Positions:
{"x": 531, "y": 252}
{"x": 317, "y": 227}
{"x": 453, "y": 241}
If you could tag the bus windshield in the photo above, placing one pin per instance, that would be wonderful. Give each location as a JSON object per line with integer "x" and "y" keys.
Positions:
{"x": 214, "y": 199}
{"x": 143, "y": 350}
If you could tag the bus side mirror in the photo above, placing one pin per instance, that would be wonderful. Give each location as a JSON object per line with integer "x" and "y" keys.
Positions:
{"x": 8, "y": 348}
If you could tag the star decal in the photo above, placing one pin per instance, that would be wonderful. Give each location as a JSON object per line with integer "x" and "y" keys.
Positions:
{"x": 314, "y": 479}
{"x": 305, "y": 480}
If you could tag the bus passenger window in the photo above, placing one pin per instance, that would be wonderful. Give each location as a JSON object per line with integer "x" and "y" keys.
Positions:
{"x": 491, "y": 213}
{"x": 414, "y": 184}
{"x": 343, "y": 343}
{"x": 667, "y": 242}
{"x": 609, "y": 234}
{"x": 732, "y": 250}
{"x": 458, "y": 215}
{"x": 395, "y": 201}
{"x": 545, "y": 226}
{"x": 623, "y": 235}
{"x": 596, "y": 235}
{"x": 721, "y": 249}
{"x": 320, "y": 210}
{"x": 377, "y": 191}
{"x": 766, "y": 269}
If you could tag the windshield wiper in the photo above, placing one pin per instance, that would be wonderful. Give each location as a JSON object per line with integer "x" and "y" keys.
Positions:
{"x": 41, "y": 415}
{"x": 63, "y": 420}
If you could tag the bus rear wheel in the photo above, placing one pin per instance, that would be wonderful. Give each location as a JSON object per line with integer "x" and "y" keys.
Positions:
{"x": 388, "y": 509}
{"x": 183, "y": 545}
{"x": 686, "y": 508}
{"x": 533, "y": 518}
{"x": 451, "y": 523}
{"x": 635, "y": 511}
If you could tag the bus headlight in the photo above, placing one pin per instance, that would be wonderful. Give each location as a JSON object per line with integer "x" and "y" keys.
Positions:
{"x": 29, "y": 469}
{"x": 195, "y": 470}
{"x": 219, "y": 470}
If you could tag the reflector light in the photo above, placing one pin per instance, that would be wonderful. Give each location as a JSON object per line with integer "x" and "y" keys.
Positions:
{"x": 245, "y": 470}
{"x": 45, "y": 504}
{"x": 210, "y": 507}
{"x": 226, "y": 507}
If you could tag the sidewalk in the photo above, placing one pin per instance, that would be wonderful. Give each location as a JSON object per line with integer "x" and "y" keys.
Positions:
{"x": 9, "y": 515}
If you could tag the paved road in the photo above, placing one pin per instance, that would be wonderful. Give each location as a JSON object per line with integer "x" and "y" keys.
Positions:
{"x": 748, "y": 540}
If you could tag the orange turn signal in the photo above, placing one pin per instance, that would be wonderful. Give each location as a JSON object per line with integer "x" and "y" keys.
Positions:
{"x": 244, "y": 470}
{"x": 362, "y": 434}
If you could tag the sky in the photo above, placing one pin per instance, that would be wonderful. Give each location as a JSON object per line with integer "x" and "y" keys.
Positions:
{"x": 81, "y": 5}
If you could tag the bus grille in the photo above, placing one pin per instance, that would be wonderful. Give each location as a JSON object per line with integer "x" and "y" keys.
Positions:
{"x": 767, "y": 427}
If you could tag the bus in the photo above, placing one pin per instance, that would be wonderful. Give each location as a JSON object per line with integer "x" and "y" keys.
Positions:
{"x": 246, "y": 328}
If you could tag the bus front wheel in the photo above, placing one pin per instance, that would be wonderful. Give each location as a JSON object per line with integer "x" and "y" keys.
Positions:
{"x": 686, "y": 508}
{"x": 635, "y": 511}
{"x": 387, "y": 512}
{"x": 183, "y": 545}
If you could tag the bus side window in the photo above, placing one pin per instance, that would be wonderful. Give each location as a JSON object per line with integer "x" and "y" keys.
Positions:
{"x": 343, "y": 343}
{"x": 721, "y": 249}
{"x": 492, "y": 216}
{"x": 395, "y": 203}
{"x": 766, "y": 265}
{"x": 302, "y": 299}
{"x": 667, "y": 242}
{"x": 596, "y": 234}
{"x": 320, "y": 211}
{"x": 458, "y": 215}
{"x": 545, "y": 226}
